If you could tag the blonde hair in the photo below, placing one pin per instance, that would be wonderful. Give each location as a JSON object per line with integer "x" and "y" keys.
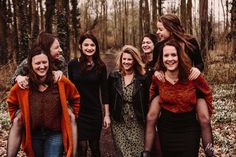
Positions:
{"x": 138, "y": 65}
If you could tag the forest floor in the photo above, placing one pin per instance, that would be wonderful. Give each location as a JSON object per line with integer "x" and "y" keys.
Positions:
{"x": 223, "y": 118}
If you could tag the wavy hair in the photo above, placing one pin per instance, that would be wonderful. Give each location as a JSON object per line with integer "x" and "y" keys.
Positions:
{"x": 172, "y": 23}
{"x": 45, "y": 41}
{"x": 184, "y": 65}
{"x": 134, "y": 52}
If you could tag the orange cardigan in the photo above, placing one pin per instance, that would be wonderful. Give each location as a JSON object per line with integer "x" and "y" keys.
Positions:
{"x": 19, "y": 99}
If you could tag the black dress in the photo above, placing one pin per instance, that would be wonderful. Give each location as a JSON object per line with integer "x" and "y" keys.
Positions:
{"x": 88, "y": 85}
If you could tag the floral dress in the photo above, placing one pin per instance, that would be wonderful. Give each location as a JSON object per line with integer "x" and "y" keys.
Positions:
{"x": 128, "y": 135}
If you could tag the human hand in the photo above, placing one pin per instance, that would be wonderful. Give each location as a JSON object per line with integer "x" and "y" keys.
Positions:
{"x": 106, "y": 122}
{"x": 57, "y": 75}
{"x": 145, "y": 154}
{"x": 159, "y": 75}
{"x": 22, "y": 81}
{"x": 194, "y": 73}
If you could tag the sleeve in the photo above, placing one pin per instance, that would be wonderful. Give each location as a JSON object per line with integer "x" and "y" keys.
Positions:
{"x": 104, "y": 86}
{"x": 20, "y": 70}
{"x": 73, "y": 96}
{"x": 196, "y": 56}
{"x": 13, "y": 104}
{"x": 203, "y": 86}
{"x": 153, "y": 91}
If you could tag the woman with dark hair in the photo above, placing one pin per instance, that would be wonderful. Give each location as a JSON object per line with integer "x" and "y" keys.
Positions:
{"x": 147, "y": 45}
{"x": 169, "y": 27}
{"x": 43, "y": 105}
{"x": 128, "y": 95}
{"x": 89, "y": 74}
{"x": 179, "y": 130}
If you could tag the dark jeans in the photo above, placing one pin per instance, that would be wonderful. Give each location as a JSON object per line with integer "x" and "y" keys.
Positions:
{"x": 47, "y": 143}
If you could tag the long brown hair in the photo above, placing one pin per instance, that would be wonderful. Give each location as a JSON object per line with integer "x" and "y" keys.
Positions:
{"x": 34, "y": 80}
{"x": 154, "y": 39}
{"x": 99, "y": 64}
{"x": 184, "y": 65}
{"x": 45, "y": 41}
{"x": 134, "y": 52}
{"x": 172, "y": 23}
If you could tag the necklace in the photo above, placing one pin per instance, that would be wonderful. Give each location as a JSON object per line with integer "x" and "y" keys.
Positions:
{"x": 172, "y": 80}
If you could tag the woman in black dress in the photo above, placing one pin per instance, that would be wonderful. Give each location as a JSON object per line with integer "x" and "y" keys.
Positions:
{"x": 89, "y": 75}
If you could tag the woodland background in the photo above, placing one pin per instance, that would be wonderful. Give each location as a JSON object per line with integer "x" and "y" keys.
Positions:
{"x": 119, "y": 22}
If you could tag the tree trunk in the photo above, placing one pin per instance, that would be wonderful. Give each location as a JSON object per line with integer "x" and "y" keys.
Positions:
{"x": 125, "y": 26}
{"x": 75, "y": 25}
{"x": 233, "y": 27}
{"x": 160, "y": 7}
{"x": 3, "y": 33}
{"x": 50, "y": 7}
{"x": 133, "y": 26}
{"x": 223, "y": 10}
{"x": 15, "y": 27}
{"x": 34, "y": 20}
{"x": 154, "y": 15}
{"x": 146, "y": 15}
{"x": 183, "y": 13}
{"x": 63, "y": 28}
{"x": 189, "y": 19}
{"x": 204, "y": 29}
{"x": 24, "y": 39}
{"x": 42, "y": 23}
{"x": 227, "y": 16}
{"x": 115, "y": 5}
{"x": 140, "y": 19}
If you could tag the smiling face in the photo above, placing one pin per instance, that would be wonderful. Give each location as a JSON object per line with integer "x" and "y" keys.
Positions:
{"x": 127, "y": 62}
{"x": 147, "y": 45}
{"x": 55, "y": 50}
{"x": 88, "y": 47}
{"x": 40, "y": 65}
{"x": 170, "y": 58}
{"x": 162, "y": 32}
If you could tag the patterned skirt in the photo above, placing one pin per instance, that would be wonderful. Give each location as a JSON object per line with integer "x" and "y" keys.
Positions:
{"x": 128, "y": 135}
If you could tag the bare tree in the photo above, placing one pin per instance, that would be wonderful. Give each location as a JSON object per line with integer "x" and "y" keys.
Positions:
{"x": 203, "y": 10}
{"x": 3, "y": 32}
{"x": 183, "y": 13}
{"x": 42, "y": 23}
{"x": 233, "y": 27}
{"x": 63, "y": 27}
{"x": 146, "y": 15}
{"x": 140, "y": 19}
{"x": 154, "y": 15}
{"x": 133, "y": 26}
{"x": 160, "y": 2}
{"x": 189, "y": 25}
{"x": 50, "y": 11}
{"x": 34, "y": 20}
{"x": 75, "y": 25}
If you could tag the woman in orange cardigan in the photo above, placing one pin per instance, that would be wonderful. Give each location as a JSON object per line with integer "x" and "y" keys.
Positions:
{"x": 44, "y": 110}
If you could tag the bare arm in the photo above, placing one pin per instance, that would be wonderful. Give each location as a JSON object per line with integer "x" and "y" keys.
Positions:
{"x": 152, "y": 116}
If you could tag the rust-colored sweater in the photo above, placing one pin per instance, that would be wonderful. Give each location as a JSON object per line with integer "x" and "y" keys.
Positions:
{"x": 19, "y": 99}
{"x": 181, "y": 97}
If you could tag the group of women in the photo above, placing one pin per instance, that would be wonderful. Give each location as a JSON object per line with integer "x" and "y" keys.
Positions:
{"x": 156, "y": 94}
